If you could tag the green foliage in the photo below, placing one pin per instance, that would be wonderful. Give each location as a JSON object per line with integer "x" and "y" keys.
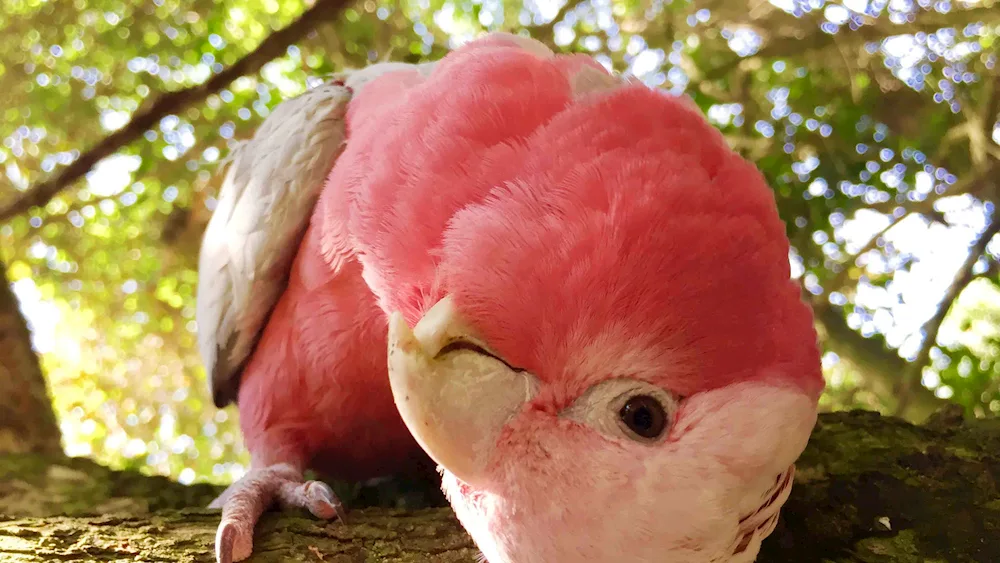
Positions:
{"x": 878, "y": 117}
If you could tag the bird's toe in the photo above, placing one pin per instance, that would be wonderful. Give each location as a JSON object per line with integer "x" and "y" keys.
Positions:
{"x": 233, "y": 541}
{"x": 315, "y": 496}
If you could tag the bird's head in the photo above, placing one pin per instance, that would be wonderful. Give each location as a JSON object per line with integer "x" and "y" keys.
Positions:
{"x": 619, "y": 366}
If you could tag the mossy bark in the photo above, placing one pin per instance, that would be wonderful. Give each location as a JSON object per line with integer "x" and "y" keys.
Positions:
{"x": 869, "y": 489}
{"x": 373, "y": 535}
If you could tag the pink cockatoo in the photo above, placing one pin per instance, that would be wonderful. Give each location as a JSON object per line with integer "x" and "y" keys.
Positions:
{"x": 608, "y": 358}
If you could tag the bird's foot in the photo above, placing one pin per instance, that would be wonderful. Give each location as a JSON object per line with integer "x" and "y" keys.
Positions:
{"x": 245, "y": 500}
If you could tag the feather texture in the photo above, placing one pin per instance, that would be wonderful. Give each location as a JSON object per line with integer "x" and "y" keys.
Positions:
{"x": 263, "y": 208}
{"x": 589, "y": 230}
{"x": 269, "y": 192}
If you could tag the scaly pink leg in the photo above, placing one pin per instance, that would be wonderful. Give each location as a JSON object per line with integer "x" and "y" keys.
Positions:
{"x": 245, "y": 500}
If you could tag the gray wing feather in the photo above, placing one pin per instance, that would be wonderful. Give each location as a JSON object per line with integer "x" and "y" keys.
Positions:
{"x": 264, "y": 206}
{"x": 263, "y": 209}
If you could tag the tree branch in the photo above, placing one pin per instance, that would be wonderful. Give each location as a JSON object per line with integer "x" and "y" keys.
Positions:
{"x": 173, "y": 102}
{"x": 868, "y": 489}
{"x": 963, "y": 277}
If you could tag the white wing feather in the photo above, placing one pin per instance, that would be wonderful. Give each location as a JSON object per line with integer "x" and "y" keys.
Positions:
{"x": 264, "y": 206}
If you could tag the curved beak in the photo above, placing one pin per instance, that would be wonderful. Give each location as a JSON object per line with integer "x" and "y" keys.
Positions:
{"x": 455, "y": 404}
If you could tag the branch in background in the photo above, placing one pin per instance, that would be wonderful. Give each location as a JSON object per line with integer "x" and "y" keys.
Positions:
{"x": 982, "y": 183}
{"x": 787, "y": 36}
{"x": 881, "y": 366}
{"x": 963, "y": 277}
{"x": 173, "y": 102}
{"x": 992, "y": 271}
{"x": 991, "y": 110}
{"x": 889, "y": 374}
{"x": 549, "y": 29}
{"x": 841, "y": 278}
{"x": 980, "y": 123}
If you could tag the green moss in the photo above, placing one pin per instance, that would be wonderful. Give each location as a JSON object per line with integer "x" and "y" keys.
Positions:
{"x": 900, "y": 548}
{"x": 936, "y": 485}
{"x": 869, "y": 489}
{"x": 961, "y": 452}
{"x": 39, "y": 486}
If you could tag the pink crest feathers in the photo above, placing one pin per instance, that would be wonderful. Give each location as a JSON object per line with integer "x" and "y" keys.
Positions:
{"x": 585, "y": 237}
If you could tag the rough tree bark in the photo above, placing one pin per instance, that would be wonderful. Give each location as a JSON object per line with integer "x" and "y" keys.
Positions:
{"x": 869, "y": 489}
{"x": 27, "y": 423}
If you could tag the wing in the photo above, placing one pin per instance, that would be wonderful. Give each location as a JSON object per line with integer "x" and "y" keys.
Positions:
{"x": 263, "y": 209}
{"x": 264, "y": 206}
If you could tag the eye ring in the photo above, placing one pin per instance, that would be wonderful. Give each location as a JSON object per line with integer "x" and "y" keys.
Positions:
{"x": 644, "y": 417}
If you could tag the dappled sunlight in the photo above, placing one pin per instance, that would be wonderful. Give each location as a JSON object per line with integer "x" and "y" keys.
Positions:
{"x": 868, "y": 118}
{"x": 147, "y": 409}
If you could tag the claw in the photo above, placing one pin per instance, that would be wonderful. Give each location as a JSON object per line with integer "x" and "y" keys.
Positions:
{"x": 333, "y": 502}
{"x": 315, "y": 496}
{"x": 320, "y": 500}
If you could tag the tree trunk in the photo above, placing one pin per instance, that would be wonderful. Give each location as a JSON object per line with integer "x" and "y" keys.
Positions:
{"x": 868, "y": 489}
{"x": 27, "y": 423}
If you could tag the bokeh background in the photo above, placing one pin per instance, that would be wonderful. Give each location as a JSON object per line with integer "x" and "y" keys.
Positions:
{"x": 874, "y": 121}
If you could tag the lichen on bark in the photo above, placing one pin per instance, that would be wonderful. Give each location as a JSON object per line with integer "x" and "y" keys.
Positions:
{"x": 869, "y": 489}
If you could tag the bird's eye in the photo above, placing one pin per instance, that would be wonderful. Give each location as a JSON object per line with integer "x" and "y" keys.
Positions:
{"x": 644, "y": 416}
{"x": 624, "y": 408}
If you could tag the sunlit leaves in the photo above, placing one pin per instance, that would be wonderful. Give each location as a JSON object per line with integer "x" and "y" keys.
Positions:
{"x": 847, "y": 131}
{"x": 113, "y": 258}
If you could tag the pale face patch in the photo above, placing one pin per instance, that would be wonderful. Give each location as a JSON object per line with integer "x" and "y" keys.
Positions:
{"x": 532, "y": 484}
{"x": 566, "y": 488}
